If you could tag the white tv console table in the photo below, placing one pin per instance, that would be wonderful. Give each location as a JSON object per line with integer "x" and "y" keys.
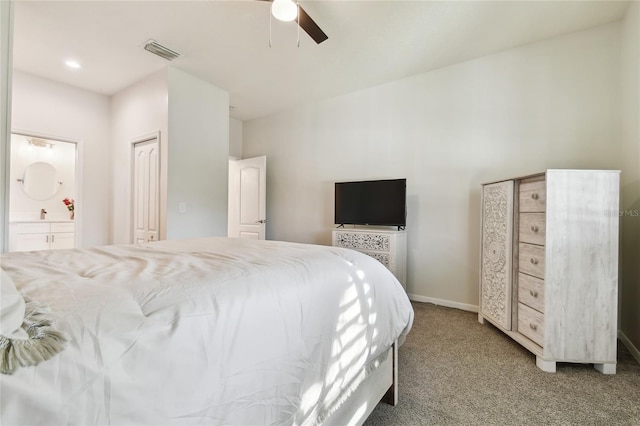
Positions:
{"x": 387, "y": 246}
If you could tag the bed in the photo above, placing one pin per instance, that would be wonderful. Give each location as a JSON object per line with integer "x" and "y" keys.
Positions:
{"x": 208, "y": 331}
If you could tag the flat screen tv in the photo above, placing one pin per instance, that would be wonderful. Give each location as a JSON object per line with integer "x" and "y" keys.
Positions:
{"x": 371, "y": 202}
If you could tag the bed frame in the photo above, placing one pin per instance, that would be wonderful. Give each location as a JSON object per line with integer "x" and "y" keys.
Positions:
{"x": 380, "y": 385}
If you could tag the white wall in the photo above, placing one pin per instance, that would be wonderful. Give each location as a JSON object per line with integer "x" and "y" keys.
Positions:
{"x": 44, "y": 107}
{"x": 107, "y": 126}
{"x": 235, "y": 138}
{"x": 630, "y": 178}
{"x": 137, "y": 111}
{"x": 62, "y": 156}
{"x": 553, "y": 104}
{"x": 198, "y": 157}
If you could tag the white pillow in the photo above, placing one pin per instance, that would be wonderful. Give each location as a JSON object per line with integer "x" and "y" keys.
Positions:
{"x": 12, "y": 309}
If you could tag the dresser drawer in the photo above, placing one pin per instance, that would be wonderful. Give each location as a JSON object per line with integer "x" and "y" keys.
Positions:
{"x": 383, "y": 258}
{"x": 533, "y": 196}
{"x": 531, "y": 228}
{"x": 62, "y": 227}
{"x": 33, "y": 228}
{"x": 363, "y": 241}
{"x": 531, "y": 260}
{"x": 531, "y": 324}
{"x": 531, "y": 291}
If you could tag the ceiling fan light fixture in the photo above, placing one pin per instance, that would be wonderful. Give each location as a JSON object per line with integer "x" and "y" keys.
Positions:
{"x": 284, "y": 10}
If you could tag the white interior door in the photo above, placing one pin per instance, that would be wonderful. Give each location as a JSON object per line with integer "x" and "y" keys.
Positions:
{"x": 247, "y": 198}
{"x": 146, "y": 190}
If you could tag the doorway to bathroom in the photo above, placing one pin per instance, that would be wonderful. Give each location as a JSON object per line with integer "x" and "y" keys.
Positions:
{"x": 43, "y": 193}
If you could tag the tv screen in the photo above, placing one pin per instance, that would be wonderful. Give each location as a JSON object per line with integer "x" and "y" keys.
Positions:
{"x": 373, "y": 202}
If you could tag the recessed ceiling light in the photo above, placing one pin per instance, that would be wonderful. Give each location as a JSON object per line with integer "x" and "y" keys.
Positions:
{"x": 72, "y": 64}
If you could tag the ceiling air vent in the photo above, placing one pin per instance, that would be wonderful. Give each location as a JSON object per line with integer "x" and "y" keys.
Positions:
{"x": 158, "y": 49}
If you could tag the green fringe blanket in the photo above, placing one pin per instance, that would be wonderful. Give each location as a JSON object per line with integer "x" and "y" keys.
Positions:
{"x": 43, "y": 343}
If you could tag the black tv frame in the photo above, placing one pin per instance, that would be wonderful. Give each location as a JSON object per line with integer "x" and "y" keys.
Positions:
{"x": 366, "y": 184}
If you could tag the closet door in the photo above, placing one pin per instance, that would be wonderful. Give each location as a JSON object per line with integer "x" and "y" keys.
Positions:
{"x": 146, "y": 191}
{"x": 497, "y": 245}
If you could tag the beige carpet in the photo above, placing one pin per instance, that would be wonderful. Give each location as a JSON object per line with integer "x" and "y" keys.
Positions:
{"x": 455, "y": 371}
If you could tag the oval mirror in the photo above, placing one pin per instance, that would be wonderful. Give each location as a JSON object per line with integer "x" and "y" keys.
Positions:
{"x": 40, "y": 181}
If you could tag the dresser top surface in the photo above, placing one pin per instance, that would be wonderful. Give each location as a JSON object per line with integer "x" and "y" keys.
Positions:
{"x": 552, "y": 171}
{"x": 43, "y": 221}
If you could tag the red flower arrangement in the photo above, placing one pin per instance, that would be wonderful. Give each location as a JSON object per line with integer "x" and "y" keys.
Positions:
{"x": 69, "y": 203}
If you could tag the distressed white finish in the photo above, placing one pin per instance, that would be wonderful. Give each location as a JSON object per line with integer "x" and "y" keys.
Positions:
{"x": 531, "y": 323}
{"x": 547, "y": 366}
{"x": 387, "y": 246}
{"x": 605, "y": 368}
{"x": 566, "y": 267}
{"x": 496, "y": 267}
{"x": 532, "y": 228}
{"x": 531, "y": 291}
{"x": 581, "y": 276}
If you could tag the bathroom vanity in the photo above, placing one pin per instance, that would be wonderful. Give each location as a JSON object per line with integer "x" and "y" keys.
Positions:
{"x": 41, "y": 235}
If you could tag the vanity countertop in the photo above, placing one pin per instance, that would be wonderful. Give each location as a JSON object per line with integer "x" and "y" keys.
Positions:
{"x": 41, "y": 221}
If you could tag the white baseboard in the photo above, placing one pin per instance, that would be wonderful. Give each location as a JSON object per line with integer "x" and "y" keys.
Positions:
{"x": 442, "y": 302}
{"x": 625, "y": 340}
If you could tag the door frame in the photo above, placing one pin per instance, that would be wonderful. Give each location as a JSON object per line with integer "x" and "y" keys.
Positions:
{"x": 132, "y": 147}
{"x": 78, "y": 178}
{"x": 6, "y": 68}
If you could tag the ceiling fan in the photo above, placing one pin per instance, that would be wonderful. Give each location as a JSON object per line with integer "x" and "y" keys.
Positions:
{"x": 289, "y": 10}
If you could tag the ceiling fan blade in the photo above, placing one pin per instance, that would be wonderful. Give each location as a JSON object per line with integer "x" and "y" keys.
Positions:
{"x": 310, "y": 27}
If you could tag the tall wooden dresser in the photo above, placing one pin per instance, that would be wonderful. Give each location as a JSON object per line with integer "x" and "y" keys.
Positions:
{"x": 549, "y": 264}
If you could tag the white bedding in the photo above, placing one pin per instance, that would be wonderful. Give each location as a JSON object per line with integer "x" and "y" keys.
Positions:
{"x": 203, "y": 331}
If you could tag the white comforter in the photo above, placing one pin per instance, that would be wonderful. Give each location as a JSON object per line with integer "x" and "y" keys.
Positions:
{"x": 204, "y": 331}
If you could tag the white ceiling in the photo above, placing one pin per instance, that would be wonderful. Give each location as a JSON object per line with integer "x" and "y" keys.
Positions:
{"x": 227, "y": 42}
